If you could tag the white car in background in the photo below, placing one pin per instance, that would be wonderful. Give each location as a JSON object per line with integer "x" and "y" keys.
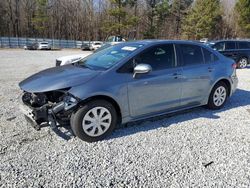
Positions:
{"x": 43, "y": 46}
{"x": 70, "y": 59}
{"x": 95, "y": 45}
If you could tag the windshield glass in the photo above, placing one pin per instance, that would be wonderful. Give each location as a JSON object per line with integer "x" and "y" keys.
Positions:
{"x": 108, "y": 57}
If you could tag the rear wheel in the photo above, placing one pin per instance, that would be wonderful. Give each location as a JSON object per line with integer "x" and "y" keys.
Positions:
{"x": 218, "y": 96}
{"x": 243, "y": 63}
{"x": 94, "y": 121}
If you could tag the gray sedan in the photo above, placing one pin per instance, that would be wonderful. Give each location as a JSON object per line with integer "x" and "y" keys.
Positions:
{"x": 128, "y": 82}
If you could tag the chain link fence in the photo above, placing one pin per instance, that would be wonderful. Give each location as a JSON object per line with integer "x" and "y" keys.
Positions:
{"x": 16, "y": 42}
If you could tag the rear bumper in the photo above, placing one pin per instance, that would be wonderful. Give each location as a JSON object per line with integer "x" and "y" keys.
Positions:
{"x": 44, "y": 47}
{"x": 234, "y": 84}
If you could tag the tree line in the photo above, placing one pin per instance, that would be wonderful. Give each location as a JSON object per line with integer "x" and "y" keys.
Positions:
{"x": 146, "y": 19}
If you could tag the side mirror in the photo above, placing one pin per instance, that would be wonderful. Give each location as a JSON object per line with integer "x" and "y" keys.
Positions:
{"x": 142, "y": 69}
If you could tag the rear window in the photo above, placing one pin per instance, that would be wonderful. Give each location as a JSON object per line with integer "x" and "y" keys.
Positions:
{"x": 192, "y": 54}
{"x": 44, "y": 43}
{"x": 244, "y": 45}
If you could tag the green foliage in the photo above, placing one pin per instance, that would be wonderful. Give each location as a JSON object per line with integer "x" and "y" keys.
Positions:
{"x": 159, "y": 11}
{"x": 242, "y": 8}
{"x": 179, "y": 7}
{"x": 120, "y": 19}
{"x": 40, "y": 18}
{"x": 202, "y": 19}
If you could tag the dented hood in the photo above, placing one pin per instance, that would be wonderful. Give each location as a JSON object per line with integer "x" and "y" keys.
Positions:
{"x": 57, "y": 78}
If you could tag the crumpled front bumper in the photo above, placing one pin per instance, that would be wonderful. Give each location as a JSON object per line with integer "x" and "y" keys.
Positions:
{"x": 37, "y": 117}
{"x": 45, "y": 115}
{"x": 29, "y": 116}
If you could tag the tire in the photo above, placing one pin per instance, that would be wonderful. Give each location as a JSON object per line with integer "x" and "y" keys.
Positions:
{"x": 242, "y": 63}
{"x": 90, "y": 128}
{"x": 221, "y": 91}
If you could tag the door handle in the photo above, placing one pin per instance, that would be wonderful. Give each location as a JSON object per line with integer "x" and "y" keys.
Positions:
{"x": 176, "y": 75}
{"x": 210, "y": 69}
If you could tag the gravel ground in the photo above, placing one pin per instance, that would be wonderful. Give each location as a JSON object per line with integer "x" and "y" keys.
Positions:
{"x": 196, "y": 148}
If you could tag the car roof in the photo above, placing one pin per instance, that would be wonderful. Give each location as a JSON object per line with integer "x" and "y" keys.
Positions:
{"x": 230, "y": 40}
{"x": 157, "y": 41}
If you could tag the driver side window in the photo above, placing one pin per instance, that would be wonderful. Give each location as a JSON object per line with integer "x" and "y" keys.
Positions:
{"x": 158, "y": 57}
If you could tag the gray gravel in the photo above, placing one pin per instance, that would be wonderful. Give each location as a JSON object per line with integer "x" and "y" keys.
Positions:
{"x": 196, "y": 148}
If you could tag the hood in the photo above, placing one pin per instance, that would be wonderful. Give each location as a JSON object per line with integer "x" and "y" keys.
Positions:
{"x": 57, "y": 78}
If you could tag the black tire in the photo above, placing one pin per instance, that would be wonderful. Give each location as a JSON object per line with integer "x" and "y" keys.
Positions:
{"x": 211, "y": 104}
{"x": 77, "y": 119}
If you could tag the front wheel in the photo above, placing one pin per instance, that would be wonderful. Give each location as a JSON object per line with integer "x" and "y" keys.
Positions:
{"x": 218, "y": 96}
{"x": 94, "y": 121}
{"x": 242, "y": 63}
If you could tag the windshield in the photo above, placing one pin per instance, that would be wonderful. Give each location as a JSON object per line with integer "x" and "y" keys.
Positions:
{"x": 108, "y": 57}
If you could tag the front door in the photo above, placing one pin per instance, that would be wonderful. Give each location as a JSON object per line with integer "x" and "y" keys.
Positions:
{"x": 160, "y": 89}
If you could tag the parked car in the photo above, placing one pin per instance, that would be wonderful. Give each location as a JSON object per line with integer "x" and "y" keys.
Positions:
{"x": 85, "y": 46}
{"x": 238, "y": 50}
{"x": 70, "y": 59}
{"x": 204, "y": 40}
{"x": 91, "y": 45}
{"x": 95, "y": 45}
{"x": 31, "y": 46}
{"x": 44, "y": 46}
{"x": 128, "y": 82}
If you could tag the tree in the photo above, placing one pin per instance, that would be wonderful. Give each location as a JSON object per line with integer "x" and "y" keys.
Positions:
{"x": 40, "y": 19}
{"x": 242, "y": 8}
{"x": 179, "y": 10}
{"x": 121, "y": 19}
{"x": 202, "y": 20}
{"x": 158, "y": 11}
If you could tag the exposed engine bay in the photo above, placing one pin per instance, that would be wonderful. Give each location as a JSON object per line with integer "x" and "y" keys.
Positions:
{"x": 49, "y": 108}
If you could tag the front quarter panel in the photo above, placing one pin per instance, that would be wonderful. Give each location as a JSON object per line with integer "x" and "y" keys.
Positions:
{"x": 109, "y": 84}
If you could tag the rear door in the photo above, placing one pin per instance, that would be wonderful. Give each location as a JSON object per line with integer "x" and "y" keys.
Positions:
{"x": 196, "y": 75}
{"x": 244, "y": 49}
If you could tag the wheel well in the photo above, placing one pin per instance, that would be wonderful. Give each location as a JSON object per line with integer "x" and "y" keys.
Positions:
{"x": 244, "y": 57}
{"x": 109, "y": 99}
{"x": 225, "y": 81}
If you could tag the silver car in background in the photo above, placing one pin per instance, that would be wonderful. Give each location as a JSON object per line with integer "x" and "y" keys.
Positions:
{"x": 128, "y": 82}
{"x": 43, "y": 46}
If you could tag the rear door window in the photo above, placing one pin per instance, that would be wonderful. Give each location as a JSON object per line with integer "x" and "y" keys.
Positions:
{"x": 244, "y": 45}
{"x": 209, "y": 57}
{"x": 192, "y": 54}
{"x": 230, "y": 45}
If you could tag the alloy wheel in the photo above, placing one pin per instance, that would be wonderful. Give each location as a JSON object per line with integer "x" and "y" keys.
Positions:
{"x": 243, "y": 63}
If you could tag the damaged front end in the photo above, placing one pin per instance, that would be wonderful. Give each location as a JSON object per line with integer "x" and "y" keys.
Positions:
{"x": 50, "y": 108}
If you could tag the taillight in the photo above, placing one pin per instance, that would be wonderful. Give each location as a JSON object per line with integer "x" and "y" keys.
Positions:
{"x": 234, "y": 65}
